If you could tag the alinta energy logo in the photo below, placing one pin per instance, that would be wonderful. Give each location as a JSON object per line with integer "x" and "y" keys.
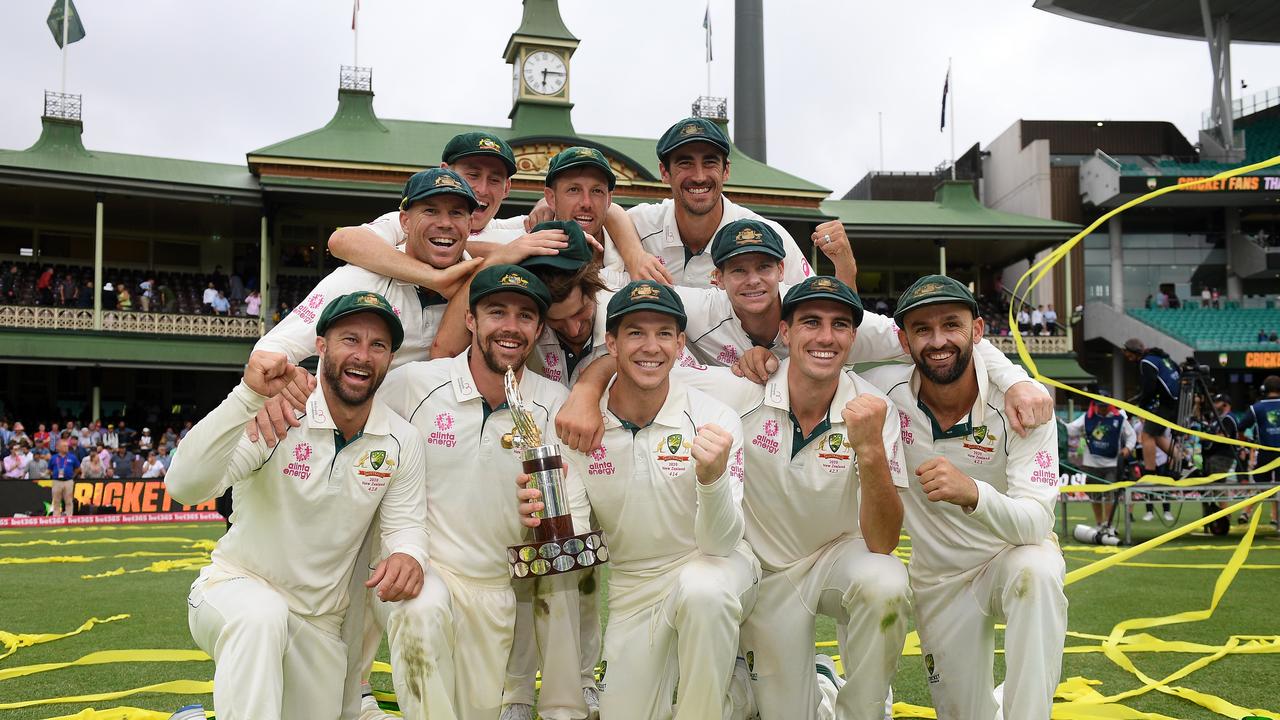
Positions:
{"x": 599, "y": 464}
{"x": 442, "y": 436}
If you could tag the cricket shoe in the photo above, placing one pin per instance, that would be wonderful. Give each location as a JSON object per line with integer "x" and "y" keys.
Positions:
{"x": 189, "y": 712}
{"x": 1168, "y": 516}
{"x": 1149, "y": 516}
{"x": 591, "y": 696}
{"x": 516, "y": 711}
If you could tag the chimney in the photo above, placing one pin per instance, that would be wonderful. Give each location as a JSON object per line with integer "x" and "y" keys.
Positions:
{"x": 748, "y": 78}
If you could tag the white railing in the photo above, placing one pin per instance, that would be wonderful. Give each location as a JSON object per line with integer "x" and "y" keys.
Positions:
{"x": 1036, "y": 344}
{"x": 54, "y": 318}
{"x": 1244, "y": 106}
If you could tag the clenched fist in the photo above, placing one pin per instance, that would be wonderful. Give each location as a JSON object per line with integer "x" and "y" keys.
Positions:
{"x": 942, "y": 482}
{"x": 864, "y": 421}
{"x": 268, "y": 373}
{"x": 711, "y": 452}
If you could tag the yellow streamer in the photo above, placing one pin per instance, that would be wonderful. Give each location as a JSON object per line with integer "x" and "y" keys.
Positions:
{"x": 12, "y": 641}
{"x": 108, "y": 657}
{"x": 120, "y": 713}
{"x": 175, "y": 687}
{"x": 48, "y": 559}
{"x": 106, "y": 540}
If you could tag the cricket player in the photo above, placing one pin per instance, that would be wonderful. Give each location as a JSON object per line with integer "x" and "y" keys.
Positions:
{"x": 979, "y": 512}
{"x": 693, "y": 156}
{"x": 666, "y": 487}
{"x": 450, "y": 645}
{"x": 269, "y": 608}
{"x": 824, "y": 469}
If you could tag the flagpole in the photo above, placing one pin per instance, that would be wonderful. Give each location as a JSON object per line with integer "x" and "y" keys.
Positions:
{"x": 355, "y": 27}
{"x": 64, "y": 45}
{"x": 952, "y": 90}
{"x": 880, "y": 120}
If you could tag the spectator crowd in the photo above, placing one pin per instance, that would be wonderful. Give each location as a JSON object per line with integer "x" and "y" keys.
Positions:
{"x": 91, "y": 451}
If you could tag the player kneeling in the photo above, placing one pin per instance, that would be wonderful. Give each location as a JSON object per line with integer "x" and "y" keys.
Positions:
{"x": 269, "y": 608}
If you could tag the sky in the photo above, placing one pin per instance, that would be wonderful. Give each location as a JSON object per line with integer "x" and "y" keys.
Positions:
{"x": 215, "y": 80}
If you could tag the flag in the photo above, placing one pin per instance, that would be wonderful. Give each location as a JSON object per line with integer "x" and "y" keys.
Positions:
{"x": 355, "y": 10}
{"x": 706, "y": 24}
{"x": 946, "y": 84}
{"x": 75, "y": 31}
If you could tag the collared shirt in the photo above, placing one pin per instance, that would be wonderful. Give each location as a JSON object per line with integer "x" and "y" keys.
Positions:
{"x": 801, "y": 493}
{"x": 1017, "y": 478}
{"x": 387, "y": 227}
{"x": 63, "y": 467}
{"x": 659, "y": 236}
{"x": 470, "y": 478}
{"x": 302, "y": 509}
{"x": 642, "y": 485}
{"x": 295, "y": 335}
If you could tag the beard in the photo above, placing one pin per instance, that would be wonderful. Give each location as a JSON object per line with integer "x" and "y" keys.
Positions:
{"x": 350, "y": 396}
{"x": 490, "y": 356}
{"x": 963, "y": 356}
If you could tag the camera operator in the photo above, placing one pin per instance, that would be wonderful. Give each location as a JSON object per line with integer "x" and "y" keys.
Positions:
{"x": 1159, "y": 381}
{"x": 1109, "y": 441}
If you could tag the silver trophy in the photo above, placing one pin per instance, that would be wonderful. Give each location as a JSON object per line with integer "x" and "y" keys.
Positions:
{"x": 555, "y": 548}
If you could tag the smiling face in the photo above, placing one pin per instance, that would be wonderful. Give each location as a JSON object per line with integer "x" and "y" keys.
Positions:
{"x": 646, "y": 345}
{"x": 355, "y": 355}
{"x": 751, "y": 280}
{"x": 696, "y": 172}
{"x": 504, "y": 326}
{"x": 436, "y": 229}
{"x": 581, "y": 194}
{"x": 818, "y": 336}
{"x": 940, "y": 340}
{"x": 487, "y": 176}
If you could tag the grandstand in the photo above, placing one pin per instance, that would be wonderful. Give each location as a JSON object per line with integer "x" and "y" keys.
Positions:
{"x": 1209, "y": 329}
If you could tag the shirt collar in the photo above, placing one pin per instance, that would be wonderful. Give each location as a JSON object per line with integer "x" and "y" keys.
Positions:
{"x": 464, "y": 385}
{"x": 319, "y": 417}
{"x": 671, "y": 414}
{"x": 978, "y": 413}
{"x": 777, "y": 393}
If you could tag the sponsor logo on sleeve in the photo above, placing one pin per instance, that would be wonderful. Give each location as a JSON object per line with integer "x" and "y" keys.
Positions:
{"x": 904, "y": 423}
{"x": 934, "y": 676}
{"x": 728, "y": 355}
{"x": 306, "y": 309}
{"x": 1044, "y": 472}
{"x": 736, "y": 469}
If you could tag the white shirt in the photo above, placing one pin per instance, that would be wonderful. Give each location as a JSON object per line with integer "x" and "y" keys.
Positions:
{"x": 798, "y": 500}
{"x": 1037, "y": 317}
{"x": 210, "y": 295}
{"x": 1023, "y": 318}
{"x": 644, "y": 491}
{"x": 659, "y": 236}
{"x": 1017, "y": 478}
{"x": 152, "y": 470}
{"x": 551, "y": 360}
{"x": 295, "y": 335}
{"x": 1128, "y": 439}
{"x": 302, "y": 509}
{"x": 472, "y": 512}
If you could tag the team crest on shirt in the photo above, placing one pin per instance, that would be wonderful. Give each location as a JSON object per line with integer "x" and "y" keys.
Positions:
{"x": 673, "y": 455}
{"x": 983, "y": 447}
{"x": 374, "y": 468}
{"x": 751, "y": 665}
{"x": 829, "y": 455}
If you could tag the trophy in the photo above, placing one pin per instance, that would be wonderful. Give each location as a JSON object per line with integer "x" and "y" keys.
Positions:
{"x": 555, "y": 549}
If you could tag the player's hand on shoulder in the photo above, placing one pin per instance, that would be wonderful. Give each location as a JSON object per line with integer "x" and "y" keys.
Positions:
{"x": 864, "y": 421}
{"x": 541, "y": 212}
{"x": 399, "y": 577}
{"x": 710, "y": 452}
{"x": 579, "y": 423}
{"x": 757, "y": 365}
{"x": 450, "y": 280}
{"x": 530, "y": 501}
{"x": 943, "y": 482}
{"x": 643, "y": 266}
{"x": 1027, "y": 406}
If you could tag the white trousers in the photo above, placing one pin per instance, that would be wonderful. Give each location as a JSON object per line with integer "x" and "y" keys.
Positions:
{"x": 269, "y": 663}
{"x": 689, "y": 637}
{"x": 566, "y": 652}
{"x": 867, "y": 594}
{"x": 1021, "y": 586}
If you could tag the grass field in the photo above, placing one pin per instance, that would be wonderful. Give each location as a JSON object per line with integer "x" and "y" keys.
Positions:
{"x": 37, "y": 596}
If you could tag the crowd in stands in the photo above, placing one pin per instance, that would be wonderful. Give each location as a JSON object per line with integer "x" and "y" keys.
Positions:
{"x": 71, "y": 286}
{"x": 110, "y": 451}
{"x": 994, "y": 308}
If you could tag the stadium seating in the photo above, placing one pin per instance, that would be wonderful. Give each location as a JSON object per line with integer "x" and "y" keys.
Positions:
{"x": 1262, "y": 140}
{"x": 1221, "y": 330}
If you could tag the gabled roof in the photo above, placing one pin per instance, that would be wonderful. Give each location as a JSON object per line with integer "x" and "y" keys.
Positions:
{"x": 953, "y": 211}
{"x": 60, "y": 152}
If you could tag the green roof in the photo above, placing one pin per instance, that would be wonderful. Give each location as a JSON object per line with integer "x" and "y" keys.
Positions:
{"x": 60, "y": 150}
{"x": 357, "y": 135}
{"x": 954, "y": 208}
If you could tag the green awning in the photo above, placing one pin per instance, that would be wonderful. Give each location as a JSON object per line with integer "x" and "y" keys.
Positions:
{"x": 1062, "y": 369}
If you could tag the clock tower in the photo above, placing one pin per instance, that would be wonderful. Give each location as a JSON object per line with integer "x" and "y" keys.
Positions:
{"x": 539, "y": 52}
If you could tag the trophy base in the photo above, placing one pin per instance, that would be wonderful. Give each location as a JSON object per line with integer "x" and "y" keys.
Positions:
{"x": 557, "y": 556}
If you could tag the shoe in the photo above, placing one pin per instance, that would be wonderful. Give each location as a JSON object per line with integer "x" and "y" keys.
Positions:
{"x": 1243, "y": 519}
{"x": 189, "y": 712}
{"x": 888, "y": 706}
{"x": 516, "y": 711}
{"x": 1168, "y": 516}
{"x": 591, "y": 696}
{"x": 827, "y": 668}
{"x": 369, "y": 709}
{"x": 1149, "y": 516}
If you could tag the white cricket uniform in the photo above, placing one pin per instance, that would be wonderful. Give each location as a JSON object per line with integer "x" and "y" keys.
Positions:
{"x": 682, "y": 577}
{"x": 554, "y": 361}
{"x": 659, "y": 236}
{"x": 420, "y": 313}
{"x": 269, "y": 608}
{"x": 450, "y": 645}
{"x": 802, "y": 509}
{"x": 998, "y": 560}
{"x": 500, "y": 231}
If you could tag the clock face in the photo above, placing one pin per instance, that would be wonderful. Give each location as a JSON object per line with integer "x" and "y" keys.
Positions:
{"x": 544, "y": 72}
